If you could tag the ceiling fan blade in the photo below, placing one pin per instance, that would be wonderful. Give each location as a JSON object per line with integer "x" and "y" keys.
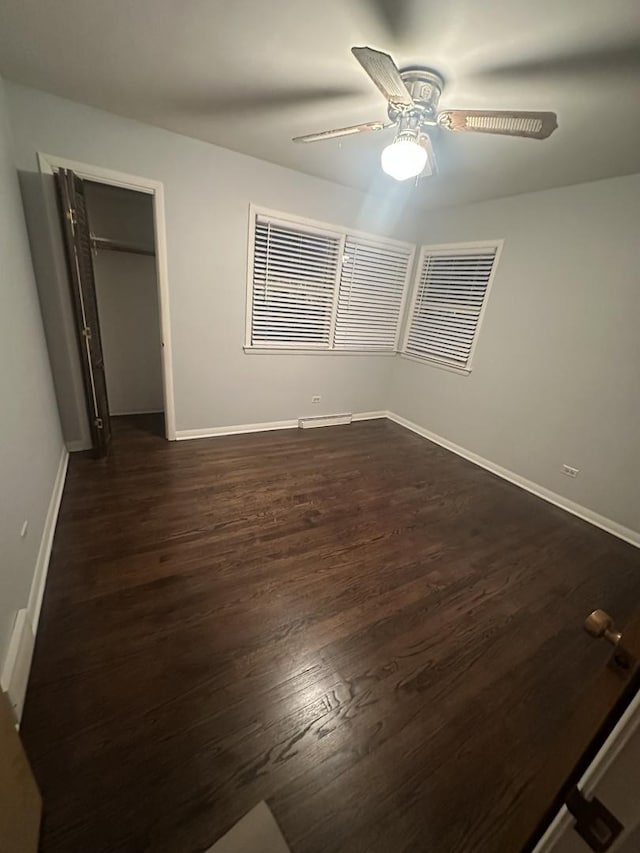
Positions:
{"x": 384, "y": 73}
{"x": 532, "y": 125}
{"x": 236, "y": 103}
{"x": 621, "y": 57}
{"x": 344, "y": 131}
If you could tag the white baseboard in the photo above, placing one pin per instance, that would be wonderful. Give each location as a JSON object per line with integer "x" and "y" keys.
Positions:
{"x": 44, "y": 554}
{"x": 265, "y": 426}
{"x": 15, "y": 672}
{"x": 631, "y": 536}
{"x": 212, "y": 432}
{"x": 370, "y": 416}
{"x": 17, "y": 664}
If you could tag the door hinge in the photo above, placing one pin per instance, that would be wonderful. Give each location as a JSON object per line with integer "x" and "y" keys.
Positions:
{"x": 87, "y": 333}
{"x": 98, "y": 423}
{"x": 594, "y": 822}
{"x": 71, "y": 216}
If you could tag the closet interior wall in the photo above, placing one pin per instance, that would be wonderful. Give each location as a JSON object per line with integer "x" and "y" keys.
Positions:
{"x": 127, "y": 295}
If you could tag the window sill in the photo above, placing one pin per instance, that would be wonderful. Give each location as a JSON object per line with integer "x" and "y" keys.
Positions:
{"x": 462, "y": 371}
{"x": 311, "y": 351}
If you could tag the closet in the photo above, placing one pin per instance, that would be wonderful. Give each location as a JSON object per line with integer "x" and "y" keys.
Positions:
{"x": 124, "y": 268}
{"x": 93, "y": 247}
{"x": 106, "y": 315}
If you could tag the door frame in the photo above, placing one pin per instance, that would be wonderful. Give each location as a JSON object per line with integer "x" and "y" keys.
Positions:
{"x": 48, "y": 165}
{"x": 564, "y": 821}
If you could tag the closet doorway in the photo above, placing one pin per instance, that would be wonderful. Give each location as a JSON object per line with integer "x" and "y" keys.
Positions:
{"x": 125, "y": 275}
{"x": 113, "y": 229}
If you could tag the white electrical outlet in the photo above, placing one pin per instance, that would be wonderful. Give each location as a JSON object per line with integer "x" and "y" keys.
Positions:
{"x": 316, "y": 398}
{"x": 24, "y": 528}
{"x": 569, "y": 471}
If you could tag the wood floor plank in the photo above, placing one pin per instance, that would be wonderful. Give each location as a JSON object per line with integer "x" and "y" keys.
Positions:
{"x": 374, "y": 635}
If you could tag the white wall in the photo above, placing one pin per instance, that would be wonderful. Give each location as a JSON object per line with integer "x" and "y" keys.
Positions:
{"x": 130, "y": 329}
{"x": 207, "y": 195}
{"x": 30, "y": 437}
{"x": 556, "y": 375}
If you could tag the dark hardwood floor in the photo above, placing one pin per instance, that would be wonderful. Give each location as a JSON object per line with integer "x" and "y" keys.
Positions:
{"x": 374, "y": 635}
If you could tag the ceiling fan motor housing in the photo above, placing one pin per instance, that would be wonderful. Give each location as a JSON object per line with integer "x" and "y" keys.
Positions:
{"x": 425, "y": 88}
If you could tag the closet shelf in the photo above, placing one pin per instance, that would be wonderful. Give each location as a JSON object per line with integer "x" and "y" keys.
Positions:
{"x": 100, "y": 243}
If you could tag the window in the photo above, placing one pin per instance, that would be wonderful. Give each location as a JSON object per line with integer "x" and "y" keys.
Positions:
{"x": 452, "y": 284}
{"x": 322, "y": 288}
{"x": 372, "y": 288}
{"x": 294, "y": 279}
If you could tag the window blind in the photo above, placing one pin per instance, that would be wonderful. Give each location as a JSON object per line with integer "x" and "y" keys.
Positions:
{"x": 294, "y": 279}
{"x": 372, "y": 285}
{"x": 447, "y": 303}
{"x": 323, "y": 288}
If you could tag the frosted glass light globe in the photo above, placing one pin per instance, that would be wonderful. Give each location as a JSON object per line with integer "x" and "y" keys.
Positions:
{"x": 403, "y": 159}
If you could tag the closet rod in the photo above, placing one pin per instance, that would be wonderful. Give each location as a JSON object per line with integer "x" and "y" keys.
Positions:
{"x": 119, "y": 246}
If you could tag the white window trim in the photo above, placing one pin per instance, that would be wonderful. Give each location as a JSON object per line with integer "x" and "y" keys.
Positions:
{"x": 434, "y": 362}
{"x": 297, "y": 350}
{"x": 317, "y": 226}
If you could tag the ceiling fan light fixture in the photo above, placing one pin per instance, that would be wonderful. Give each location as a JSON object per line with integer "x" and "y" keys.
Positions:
{"x": 405, "y": 158}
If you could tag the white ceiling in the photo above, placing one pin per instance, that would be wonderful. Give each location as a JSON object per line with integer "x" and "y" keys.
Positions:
{"x": 250, "y": 74}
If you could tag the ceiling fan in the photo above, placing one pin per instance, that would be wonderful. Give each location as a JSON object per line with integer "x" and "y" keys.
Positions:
{"x": 413, "y": 95}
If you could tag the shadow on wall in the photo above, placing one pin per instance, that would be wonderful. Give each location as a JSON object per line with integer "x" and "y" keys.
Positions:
{"x": 45, "y": 240}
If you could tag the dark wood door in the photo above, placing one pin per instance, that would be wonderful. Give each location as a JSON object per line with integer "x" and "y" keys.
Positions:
{"x": 75, "y": 228}
{"x": 603, "y": 703}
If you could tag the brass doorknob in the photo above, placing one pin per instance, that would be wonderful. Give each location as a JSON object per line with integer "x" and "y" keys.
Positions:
{"x": 600, "y": 624}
